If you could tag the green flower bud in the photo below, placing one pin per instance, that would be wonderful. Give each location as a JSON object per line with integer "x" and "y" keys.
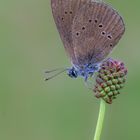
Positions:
{"x": 107, "y": 99}
{"x": 114, "y": 81}
{"x": 110, "y": 94}
{"x": 112, "y": 87}
{"x": 116, "y": 92}
{"x": 103, "y": 85}
{"x": 107, "y": 89}
{"x": 120, "y": 80}
{"x": 109, "y": 82}
{"x": 118, "y": 87}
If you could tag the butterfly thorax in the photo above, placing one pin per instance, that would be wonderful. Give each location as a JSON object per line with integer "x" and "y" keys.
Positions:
{"x": 84, "y": 71}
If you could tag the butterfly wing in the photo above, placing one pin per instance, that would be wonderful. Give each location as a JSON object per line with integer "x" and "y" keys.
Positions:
{"x": 64, "y": 12}
{"x": 96, "y": 29}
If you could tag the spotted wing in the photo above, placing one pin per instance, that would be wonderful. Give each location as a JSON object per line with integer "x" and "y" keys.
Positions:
{"x": 64, "y": 12}
{"x": 96, "y": 29}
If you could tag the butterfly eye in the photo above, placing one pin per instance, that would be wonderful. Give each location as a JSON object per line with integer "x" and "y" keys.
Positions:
{"x": 70, "y": 12}
{"x": 100, "y": 25}
{"x": 66, "y": 12}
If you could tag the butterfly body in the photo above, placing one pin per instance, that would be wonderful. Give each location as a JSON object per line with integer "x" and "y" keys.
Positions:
{"x": 89, "y": 31}
{"x": 85, "y": 71}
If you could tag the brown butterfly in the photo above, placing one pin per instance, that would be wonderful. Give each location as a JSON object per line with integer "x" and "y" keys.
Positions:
{"x": 89, "y": 31}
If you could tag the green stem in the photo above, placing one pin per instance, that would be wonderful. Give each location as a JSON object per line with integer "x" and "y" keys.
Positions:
{"x": 100, "y": 120}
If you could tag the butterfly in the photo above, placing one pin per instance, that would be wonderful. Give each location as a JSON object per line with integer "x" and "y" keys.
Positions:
{"x": 89, "y": 30}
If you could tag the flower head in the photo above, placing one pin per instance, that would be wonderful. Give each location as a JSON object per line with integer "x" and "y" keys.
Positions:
{"x": 110, "y": 79}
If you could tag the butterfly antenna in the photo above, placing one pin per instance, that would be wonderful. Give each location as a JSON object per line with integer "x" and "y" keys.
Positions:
{"x": 50, "y": 71}
{"x": 54, "y": 70}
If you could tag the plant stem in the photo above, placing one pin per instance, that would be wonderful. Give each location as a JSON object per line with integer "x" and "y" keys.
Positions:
{"x": 100, "y": 121}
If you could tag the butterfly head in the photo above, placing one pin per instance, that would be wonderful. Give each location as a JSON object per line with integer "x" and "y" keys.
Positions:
{"x": 72, "y": 72}
{"x": 84, "y": 71}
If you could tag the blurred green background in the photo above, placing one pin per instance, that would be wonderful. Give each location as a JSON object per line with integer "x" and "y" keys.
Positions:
{"x": 62, "y": 108}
